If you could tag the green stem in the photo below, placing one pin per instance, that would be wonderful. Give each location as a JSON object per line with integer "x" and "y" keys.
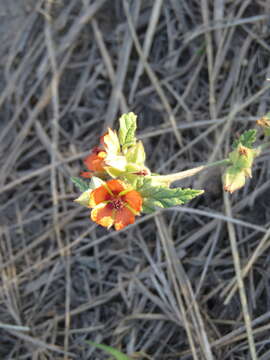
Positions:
{"x": 168, "y": 179}
{"x": 187, "y": 173}
{"x": 264, "y": 146}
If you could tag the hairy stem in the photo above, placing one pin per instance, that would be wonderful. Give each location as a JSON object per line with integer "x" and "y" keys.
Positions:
{"x": 191, "y": 172}
{"x": 264, "y": 146}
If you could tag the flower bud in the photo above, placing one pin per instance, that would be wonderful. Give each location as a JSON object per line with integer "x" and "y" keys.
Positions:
{"x": 233, "y": 179}
{"x": 264, "y": 123}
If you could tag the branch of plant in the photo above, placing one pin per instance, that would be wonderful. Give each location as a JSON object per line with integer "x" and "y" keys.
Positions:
{"x": 191, "y": 172}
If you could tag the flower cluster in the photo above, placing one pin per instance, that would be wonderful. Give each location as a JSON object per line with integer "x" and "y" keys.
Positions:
{"x": 121, "y": 186}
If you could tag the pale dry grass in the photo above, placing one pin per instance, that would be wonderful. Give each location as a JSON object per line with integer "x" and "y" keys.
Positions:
{"x": 185, "y": 283}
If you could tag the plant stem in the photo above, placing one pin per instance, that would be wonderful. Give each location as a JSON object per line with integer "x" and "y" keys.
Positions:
{"x": 170, "y": 178}
{"x": 265, "y": 146}
{"x": 190, "y": 172}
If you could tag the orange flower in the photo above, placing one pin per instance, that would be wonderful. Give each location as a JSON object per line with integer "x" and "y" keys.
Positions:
{"x": 115, "y": 204}
{"x": 94, "y": 162}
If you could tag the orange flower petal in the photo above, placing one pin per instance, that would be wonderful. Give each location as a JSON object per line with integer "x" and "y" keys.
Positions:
{"x": 116, "y": 186}
{"x": 123, "y": 218}
{"x": 89, "y": 159}
{"x": 102, "y": 214}
{"x": 98, "y": 196}
{"x": 86, "y": 174}
{"x": 94, "y": 162}
{"x": 134, "y": 199}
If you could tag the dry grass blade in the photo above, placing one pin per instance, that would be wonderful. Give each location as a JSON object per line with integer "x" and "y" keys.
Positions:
{"x": 195, "y": 73}
{"x": 241, "y": 287}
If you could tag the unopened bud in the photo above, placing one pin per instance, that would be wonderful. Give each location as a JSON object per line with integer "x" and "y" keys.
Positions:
{"x": 233, "y": 179}
{"x": 264, "y": 123}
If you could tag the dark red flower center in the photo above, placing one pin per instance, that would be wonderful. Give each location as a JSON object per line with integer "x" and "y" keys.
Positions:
{"x": 116, "y": 204}
{"x": 96, "y": 150}
{"x": 142, "y": 173}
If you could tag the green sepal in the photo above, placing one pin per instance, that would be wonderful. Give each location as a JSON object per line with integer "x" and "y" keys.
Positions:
{"x": 242, "y": 158}
{"x": 127, "y": 129}
{"x": 84, "y": 198}
{"x": 234, "y": 179}
{"x": 131, "y": 179}
{"x": 247, "y": 139}
{"x": 118, "y": 355}
{"x": 79, "y": 183}
{"x": 113, "y": 172}
{"x": 132, "y": 168}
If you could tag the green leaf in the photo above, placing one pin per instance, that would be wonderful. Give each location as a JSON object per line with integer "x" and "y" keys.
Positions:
{"x": 246, "y": 139}
{"x": 118, "y": 355}
{"x": 163, "y": 197}
{"x": 128, "y": 125}
{"x": 136, "y": 154}
{"x": 79, "y": 183}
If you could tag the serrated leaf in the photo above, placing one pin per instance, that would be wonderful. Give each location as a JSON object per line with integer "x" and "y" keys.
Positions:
{"x": 163, "y": 197}
{"x": 142, "y": 183}
{"x": 247, "y": 139}
{"x": 79, "y": 183}
{"x": 146, "y": 209}
{"x": 127, "y": 129}
{"x": 118, "y": 355}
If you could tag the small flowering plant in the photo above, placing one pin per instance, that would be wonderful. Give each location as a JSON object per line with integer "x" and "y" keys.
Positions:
{"x": 120, "y": 186}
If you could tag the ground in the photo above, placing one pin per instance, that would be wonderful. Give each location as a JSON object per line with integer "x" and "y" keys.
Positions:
{"x": 196, "y": 74}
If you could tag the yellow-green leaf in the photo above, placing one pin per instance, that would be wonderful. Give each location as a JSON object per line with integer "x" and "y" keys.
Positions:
{"x": 118, "y": 355}
{"x": 127, "y": 129}
{"x": 136, "y": 154}
{"x": 246, "y": 139}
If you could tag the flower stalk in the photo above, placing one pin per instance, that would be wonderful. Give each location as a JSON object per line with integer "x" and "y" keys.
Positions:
{"x": 168, "y": 179}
